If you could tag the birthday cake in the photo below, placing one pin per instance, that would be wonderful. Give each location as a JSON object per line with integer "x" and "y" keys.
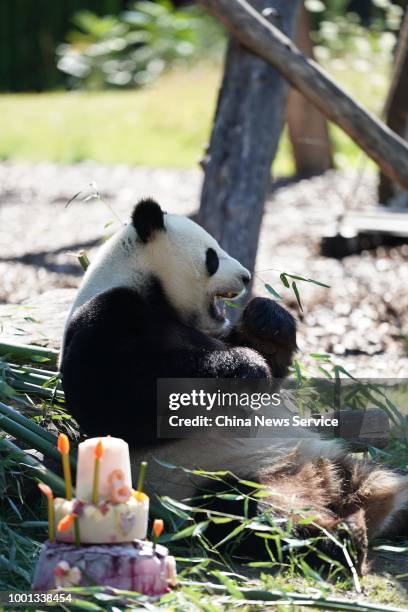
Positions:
{"x": 98, "y": 536}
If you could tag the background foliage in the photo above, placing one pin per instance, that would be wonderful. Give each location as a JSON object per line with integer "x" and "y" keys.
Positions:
{"x": 119, "y": 45}
{"x": 29, "y": 35}
{"x": 31, "y": 32}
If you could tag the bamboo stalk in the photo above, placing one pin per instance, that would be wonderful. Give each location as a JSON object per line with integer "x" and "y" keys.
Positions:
{"x": 30, "y": 375}
{"x": 30, "y": 370}
{"x": 27, "y": 351}
{"x": 20, "y": 385}
{"x": 36, "y": 469}
{"x": 18, "y": 427}
{"x": 28, "y": 436}
{"x": 83, "y": 259}
{"x": 22, "y": 420}
{"x": 34, "y": 382}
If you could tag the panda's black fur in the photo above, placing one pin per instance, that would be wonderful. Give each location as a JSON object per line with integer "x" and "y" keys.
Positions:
{"x": 122, "y": 339}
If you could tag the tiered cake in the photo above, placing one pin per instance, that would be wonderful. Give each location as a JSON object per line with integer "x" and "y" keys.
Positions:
{"x": 98, "y": 536}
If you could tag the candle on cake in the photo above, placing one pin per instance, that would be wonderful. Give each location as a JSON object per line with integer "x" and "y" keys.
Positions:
{"x": 63, "y": 447}
{"x": 98, "y": 454}
{"x": 45, "y": 490}
{"x": 115, "y": 457}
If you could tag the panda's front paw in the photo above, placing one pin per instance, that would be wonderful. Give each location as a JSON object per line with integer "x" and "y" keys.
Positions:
{"x": 267, "y": 320}
{"x": 271, "y": 330}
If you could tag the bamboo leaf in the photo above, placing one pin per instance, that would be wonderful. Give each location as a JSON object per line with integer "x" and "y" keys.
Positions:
{"x": 233, "y": 304}
{"x": 306, "y": 280}
{"x": 220, "y": 520}
{"x": 230, "y": 496}
{"x": 231, "y": 535}
{"x": 296, "y": 292}
{"x": 191, "y": 530}
{"x": 284, "y": 280}
{"x": 176, "y": 508}
{"x": 230, "y": 585}
{"x": 271, "y": 290}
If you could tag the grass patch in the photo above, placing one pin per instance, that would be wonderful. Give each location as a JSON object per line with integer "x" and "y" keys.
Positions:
{"x": 164, "y": 125}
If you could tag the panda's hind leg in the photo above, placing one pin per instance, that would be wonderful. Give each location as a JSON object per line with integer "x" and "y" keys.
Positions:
{"x": 328, "y": 501}
{"x": 344, "y": 495}
{"x": 297, "y": 508}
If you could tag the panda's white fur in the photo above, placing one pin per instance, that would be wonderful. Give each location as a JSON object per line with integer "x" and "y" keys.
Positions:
{"x": 175, "y": 255}
{"x": 215, "y": 451}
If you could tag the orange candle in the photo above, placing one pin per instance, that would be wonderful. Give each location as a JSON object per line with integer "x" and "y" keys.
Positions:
{"x": 66, "y": 522}
{"x": 158, "y": 528}
{"x": 45, "y": 489}
{"x": 63, "y": 447}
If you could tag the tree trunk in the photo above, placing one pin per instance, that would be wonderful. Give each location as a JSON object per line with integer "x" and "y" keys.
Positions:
{"x": 245, "y": 137}
{"x": 308, "y": 130}
{"x": 397, "y": 112}
{"x": 379, "y": 142}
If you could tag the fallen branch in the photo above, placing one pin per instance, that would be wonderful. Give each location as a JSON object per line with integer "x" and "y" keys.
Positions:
{"x": 380, "y": 143}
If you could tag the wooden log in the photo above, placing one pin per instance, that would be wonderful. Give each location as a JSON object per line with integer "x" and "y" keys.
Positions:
{"x": 361, "y": 230}
{"x": 379, "y": 221}
{"x": 247, "y": 127}
{"x": 308, "y": 130}
{"x": 258, "y": 34}
{"x": 396, "y": 109}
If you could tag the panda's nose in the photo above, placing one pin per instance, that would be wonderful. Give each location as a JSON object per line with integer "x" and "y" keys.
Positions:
{"x": 246, "y": 278}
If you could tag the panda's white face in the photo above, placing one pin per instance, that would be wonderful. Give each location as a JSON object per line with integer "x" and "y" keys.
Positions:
{"x": 196, "y": 274}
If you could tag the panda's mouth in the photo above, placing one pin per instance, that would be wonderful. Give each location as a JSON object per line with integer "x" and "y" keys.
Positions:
{"x": 217, "y": 304}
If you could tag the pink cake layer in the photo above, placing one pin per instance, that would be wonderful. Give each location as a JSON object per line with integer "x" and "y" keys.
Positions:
{"x": 134, "y": 566}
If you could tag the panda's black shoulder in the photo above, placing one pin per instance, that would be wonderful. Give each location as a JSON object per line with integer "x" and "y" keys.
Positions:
{"x": 114, "y": 306}
{"x": 101, "y": 325}
{"x": 121, "y": 311}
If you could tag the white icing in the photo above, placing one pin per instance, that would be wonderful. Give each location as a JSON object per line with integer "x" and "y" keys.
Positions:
{"x": 104, "y": 524}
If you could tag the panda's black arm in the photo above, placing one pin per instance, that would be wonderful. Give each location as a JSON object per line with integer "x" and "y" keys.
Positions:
{"x": 270, "y": 330}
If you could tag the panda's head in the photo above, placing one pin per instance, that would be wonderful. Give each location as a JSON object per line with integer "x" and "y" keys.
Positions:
{"x": 195, "y": 273}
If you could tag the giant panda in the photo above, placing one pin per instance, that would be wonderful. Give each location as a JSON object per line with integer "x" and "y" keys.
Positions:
{"x": 149, "y": 307}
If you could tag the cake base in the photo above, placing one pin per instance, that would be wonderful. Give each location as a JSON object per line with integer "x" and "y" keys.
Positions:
{"x": 135, "y": 566}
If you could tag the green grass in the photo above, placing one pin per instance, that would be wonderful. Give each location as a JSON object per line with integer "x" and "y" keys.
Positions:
{"x": 165, "y": 125}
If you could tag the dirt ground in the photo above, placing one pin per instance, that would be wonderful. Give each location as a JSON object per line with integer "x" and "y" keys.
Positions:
{"x": 362, "y": 318}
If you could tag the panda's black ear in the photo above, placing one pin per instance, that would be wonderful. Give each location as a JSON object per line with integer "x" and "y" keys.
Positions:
{"x": 147, "y": 218}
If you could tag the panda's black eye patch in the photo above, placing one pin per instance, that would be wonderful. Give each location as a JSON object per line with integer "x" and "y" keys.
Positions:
{"x": 211, "y": 261}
